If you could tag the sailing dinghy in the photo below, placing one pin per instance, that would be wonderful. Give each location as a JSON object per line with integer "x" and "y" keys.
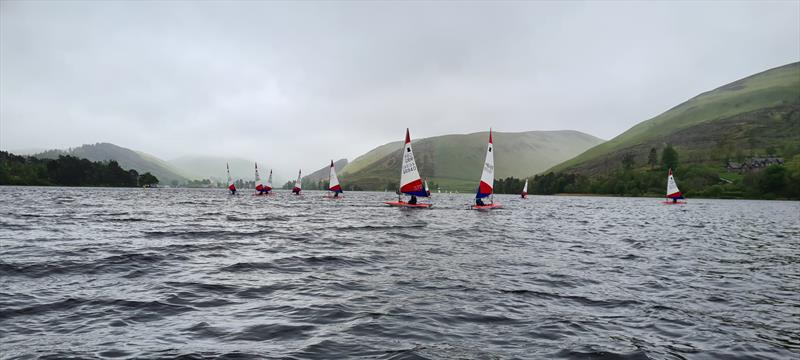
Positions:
{"x": 231, "y": 185}
{"x": 410, "y": 182}
{"x": 525, "y": 190}
{"x": 486, "y": 186}
{"x": 268, "y": 185}
{"x": 259, "y": 185}
{"x": 298, "y": 183}
{"x": 333, "y": 184}
{"x": 673, "y": 194}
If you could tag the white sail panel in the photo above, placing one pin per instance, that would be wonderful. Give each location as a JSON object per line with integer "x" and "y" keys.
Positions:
{"x": 410, "y": 181}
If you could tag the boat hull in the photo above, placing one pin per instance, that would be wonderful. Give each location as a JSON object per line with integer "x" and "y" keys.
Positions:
{"x": 487, "y": 207}
{"x": 673, "y": 203}
{"x": 407, "y": 205}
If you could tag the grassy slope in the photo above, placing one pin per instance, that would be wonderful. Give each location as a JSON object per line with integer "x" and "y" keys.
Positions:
{"x": 776, "y": 89}
{"x": 455, "y": 161}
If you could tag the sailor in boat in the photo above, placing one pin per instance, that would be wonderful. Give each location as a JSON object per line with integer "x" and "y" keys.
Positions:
{"x": 413, "y": 200}
{"x": 232, "y": 188}
{"x": 479, "y": 202}
{"x": 674, "y": 200}
{"x": 335, "y": 194}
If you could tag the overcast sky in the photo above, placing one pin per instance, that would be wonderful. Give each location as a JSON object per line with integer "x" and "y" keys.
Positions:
{"x": 301, "y": 83}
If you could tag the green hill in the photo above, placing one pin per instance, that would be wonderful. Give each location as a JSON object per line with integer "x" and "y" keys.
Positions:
{"x": 126, "y": 158}
{"x": 454, "y": 162}
{"x": 753, "y": 116}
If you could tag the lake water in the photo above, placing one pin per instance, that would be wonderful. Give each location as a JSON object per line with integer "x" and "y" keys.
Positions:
{"x": 114, "y": 273}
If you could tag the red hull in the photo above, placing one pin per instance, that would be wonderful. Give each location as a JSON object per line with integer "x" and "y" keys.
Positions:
{"x": 673, "y": 203}
{"x": 405, "y": 204}
{"x": 487, "y": 207}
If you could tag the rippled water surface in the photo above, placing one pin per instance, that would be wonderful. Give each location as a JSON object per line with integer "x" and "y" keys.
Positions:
{"x": 153, "y": 273}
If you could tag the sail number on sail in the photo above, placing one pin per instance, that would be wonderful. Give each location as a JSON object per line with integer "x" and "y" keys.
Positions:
{"x": 408, "y": 163}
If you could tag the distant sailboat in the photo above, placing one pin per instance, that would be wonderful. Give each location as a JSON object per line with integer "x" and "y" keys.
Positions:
{"x": 525, "y": 190}
{"x": 231, "y": 185}
{"x": 298, "y": 184}
{"x": 673, "y": 194}
{"x": 427, "y": 189}
{"x": 259, "y": 185}
{"x": 486, "y": 186}
{"x": 268, "y": 185}
{"x": 410, "y": 182}
{"x": 333, "y": 183}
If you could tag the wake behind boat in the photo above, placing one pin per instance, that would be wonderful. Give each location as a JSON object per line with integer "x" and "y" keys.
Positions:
{"x": 486, "y": 186}
{"x": 410, "y": 182}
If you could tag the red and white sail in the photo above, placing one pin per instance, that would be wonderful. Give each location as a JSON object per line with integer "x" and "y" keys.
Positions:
{"x": 298, "y": 183}
{"x": 525, "y": 189}
{"x": 333, "y": 184}
{"x": 259, "y": 185}
{"x": 486, "y": 186}
{"x": 231, "y": 185}
{"x": 268, "y": 185}
{"x": 672, "y": 187}
{"x": 410, "y": 181}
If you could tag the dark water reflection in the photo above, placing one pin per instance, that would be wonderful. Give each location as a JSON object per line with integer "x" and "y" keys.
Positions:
{"x": 117, "y": 273}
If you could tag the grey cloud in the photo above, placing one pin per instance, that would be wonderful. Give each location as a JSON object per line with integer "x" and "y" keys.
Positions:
{"x": 294, "y": 84}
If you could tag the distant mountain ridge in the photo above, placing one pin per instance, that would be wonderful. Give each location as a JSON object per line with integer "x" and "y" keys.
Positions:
{"x": 751, "y": 116}
{"x": 454, "y": 161}
{"x": 213, "y": 167}
{"x": 127, "y": 159}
